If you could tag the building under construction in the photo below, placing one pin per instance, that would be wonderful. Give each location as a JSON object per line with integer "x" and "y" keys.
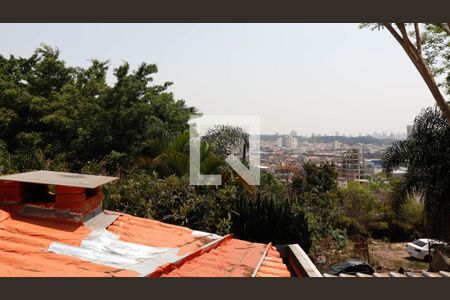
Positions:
{"x": 351, "y": 165}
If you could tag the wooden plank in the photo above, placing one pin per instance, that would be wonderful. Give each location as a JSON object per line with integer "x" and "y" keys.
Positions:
{"x": 346, "y": 275}
{"x": 362, "y": 275}
{"x": 60, "y": 178}
{"x": 328, "y": 275}
{"x": 301, "y": 259}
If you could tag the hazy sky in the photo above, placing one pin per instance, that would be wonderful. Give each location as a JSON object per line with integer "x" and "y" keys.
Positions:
{"x": 319, "y": 78}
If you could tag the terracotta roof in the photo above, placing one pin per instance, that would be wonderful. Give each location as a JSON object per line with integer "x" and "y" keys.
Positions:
{"x": 130, "y": 246}
{"x": 273, "y": 265}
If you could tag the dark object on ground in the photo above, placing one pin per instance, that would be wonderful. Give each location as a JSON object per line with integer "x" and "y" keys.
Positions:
{"x": 351, "y": 267}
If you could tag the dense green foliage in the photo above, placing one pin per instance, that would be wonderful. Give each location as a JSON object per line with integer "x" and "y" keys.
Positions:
{"x": 319, "y": 178}
{"x": 436, "y": 50}
{"x": 426, "y": 154}
{"x": 272, "y": 217}
{"x": 59, "y": 117}
{"x": 174, "y": 201}
{"x": 228, "y": 208}
{"x": 228, "y": 140}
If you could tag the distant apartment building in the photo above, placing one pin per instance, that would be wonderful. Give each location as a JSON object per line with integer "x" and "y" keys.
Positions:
{"x": 279, "y": 142}
{"x": 336, "y": 145}
{"x": 292, "y": 142}
{"x": 351, "y": 166}
{"x": 287, "y": 141}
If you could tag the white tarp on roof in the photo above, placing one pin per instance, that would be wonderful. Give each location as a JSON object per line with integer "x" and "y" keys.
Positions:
{"x": 104, "y": 247}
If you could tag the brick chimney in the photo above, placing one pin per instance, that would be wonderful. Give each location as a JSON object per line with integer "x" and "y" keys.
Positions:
{"x": 58, "y": 195}
{"x": 78, "y": 200}
{"x": 11, "y": 192}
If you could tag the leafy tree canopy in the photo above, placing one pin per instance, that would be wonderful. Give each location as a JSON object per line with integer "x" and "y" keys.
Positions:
{"x": 61, "y": 117}
{"x": 426, "y": 154}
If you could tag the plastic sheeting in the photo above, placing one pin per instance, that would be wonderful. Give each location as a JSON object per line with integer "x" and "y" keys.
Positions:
{"x": 104, "y": 247}
{"x": 211, "y": 236}
{"x": 158, "y": 234}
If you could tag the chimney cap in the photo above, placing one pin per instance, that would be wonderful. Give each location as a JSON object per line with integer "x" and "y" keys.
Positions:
{"x": 60, "y": 178}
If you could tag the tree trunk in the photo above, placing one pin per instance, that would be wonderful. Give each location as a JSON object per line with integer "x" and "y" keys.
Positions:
{"x": 423, "y": 69}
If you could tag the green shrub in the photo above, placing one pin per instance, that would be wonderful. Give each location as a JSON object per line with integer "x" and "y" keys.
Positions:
{"x": 174, "y": 201}
{"x": 270, "y": 217}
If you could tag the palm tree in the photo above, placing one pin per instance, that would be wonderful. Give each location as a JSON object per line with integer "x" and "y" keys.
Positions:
{"x": 172, "y": 157}
{"x": 228, "y": 140}
{"x": 426, "y": 154}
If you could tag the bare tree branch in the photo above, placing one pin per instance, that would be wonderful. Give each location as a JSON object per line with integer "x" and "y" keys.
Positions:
{"x": 407, "y": 44}
{"x": 418, "y": 38}
{"x": 444, "y": 27}
{"x": 420, "y": 64}
{"x": 393, "y": 32}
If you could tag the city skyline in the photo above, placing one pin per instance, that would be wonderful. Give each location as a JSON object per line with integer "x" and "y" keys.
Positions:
{"x": 385, "y": 133}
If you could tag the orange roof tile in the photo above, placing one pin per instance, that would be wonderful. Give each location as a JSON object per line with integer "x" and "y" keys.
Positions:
{"x": 273, "y": 265}
{"x": 23, "y": 245}
{"x": 232, "y": 258}
{"x": 25, "y": 242}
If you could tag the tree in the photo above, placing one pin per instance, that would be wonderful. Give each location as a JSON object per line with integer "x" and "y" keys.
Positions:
{"x": 59, "y": 117}
{"x": 172, "y": 157}
{"x": 271, "y": 216}
{"x": 173, "y": 200}
{"x": 313, "y": 177}
{"x": 430, "y": 54}
{"x": 426, "y": 154}
{"x": 227, "y": 140}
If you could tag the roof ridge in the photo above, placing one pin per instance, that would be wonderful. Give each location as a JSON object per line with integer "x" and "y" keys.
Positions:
{"x": 206, "y": 248}
{"x": 261, "y": 260}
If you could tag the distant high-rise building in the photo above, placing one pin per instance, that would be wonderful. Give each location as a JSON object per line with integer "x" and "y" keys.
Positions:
{"x": 292, "y": 142}
{"x": 293, "y": 133}
{"x": 287, "y": 141}
{"x": 280, "y": 142}
{"x": 336, "y": 145}
{"x": 352, "y": 166}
